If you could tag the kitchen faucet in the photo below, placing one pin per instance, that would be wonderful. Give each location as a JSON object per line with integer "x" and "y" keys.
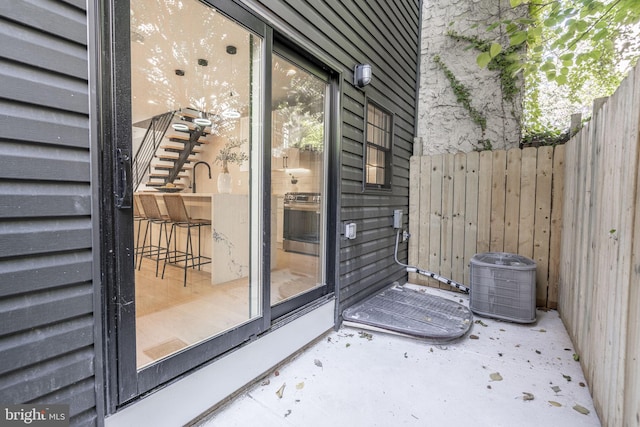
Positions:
{"x": 194, "y": 172}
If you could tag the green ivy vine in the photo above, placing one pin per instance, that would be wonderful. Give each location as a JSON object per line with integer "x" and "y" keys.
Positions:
{"x": 505, "y": 61}
{"x": 463, "y": 94}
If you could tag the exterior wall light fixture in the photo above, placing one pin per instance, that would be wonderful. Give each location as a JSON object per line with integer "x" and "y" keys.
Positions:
{"x": 362, "y": 75}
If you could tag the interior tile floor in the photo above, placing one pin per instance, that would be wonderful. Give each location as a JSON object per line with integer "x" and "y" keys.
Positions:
{"x": 499, "y": 374}
{"x": 171, "y": 316}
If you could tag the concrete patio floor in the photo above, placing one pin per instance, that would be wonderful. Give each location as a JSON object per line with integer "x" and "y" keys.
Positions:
{"x": 499, "y": 374}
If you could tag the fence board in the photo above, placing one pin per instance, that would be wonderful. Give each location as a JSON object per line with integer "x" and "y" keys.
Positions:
{"x": 527, "y": 201}
{"x": 512, "y": 201}
{"x": 471, "y": 211}
{"x": 459, "y": 193}
{"x": 414, "y": 210}
{"x": 436, "y": 214}
{"x": 484, "y": 202}
{"x": 496, "y": 244}
{"x": 631, "y": 390}
{"x": 446, "y": 237}
{"x": 424, "y": 218}
{"x": 556, "y": 225}
{"x": 542, "y": 223}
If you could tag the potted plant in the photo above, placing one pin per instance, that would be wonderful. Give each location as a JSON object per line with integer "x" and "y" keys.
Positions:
{"x": 229, "y": 154}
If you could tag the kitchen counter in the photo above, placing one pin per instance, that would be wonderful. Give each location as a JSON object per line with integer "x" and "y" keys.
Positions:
{"x": 228, "y": 241}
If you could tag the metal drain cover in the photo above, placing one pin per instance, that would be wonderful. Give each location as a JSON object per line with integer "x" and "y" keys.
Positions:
{"x": 407, "y": 311}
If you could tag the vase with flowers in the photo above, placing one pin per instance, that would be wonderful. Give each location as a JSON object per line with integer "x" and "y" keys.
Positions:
{"x": 229, "y": 154}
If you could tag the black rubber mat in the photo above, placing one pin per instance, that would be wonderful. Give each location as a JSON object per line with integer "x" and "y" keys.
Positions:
{"x": 413, "y": 313}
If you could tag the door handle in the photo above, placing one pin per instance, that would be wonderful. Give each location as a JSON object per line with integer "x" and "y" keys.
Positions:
{"x": 123, "y": 179}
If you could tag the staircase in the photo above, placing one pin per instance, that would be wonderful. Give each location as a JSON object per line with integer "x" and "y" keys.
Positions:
{"x": 169, "y": 150}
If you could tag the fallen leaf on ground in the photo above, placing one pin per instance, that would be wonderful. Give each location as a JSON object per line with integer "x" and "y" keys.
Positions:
{"x": 347, "y": 345}
{"x": 317, "y": 363}
{"x": 566, "y": 377}
{"x": 366, "y": 335}
{"x": 581, "y": 409}
{"x": 495, "y": 376}
{"x": 556, "y": 389}
{"x": 527, "y": 396}
{"x": 474, "y": 337}
{"x": 280, "y": 391}
{"x": 480, "y": 322}
{"x": 581, "y": 384}
{"x": 554, "y": 403}
{"x": 576, "y": 357}
{"x": 300, "y": 386}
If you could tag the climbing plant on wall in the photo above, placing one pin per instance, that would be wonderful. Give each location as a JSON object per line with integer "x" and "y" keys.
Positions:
{"x": 463, "y": 96}
{"x": 583, "y": 47}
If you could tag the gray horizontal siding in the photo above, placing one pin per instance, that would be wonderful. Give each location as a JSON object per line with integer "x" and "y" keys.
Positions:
{"x": 23, "y": 122}
{"x": 38, "y": 344}
{"x": 33, "y": 86}
{"x": 44, "y": 308}
{"x": 81, "y": 398}
{"x": 385, "y": 34}
{"x": 47, "y": 323}
{"x": 60, "y": 56}
{"x": 30, "y": 274}
{"x": 36, "y": 236}
{"x": 54, "y": 17}
{"x": 47, "y": 377}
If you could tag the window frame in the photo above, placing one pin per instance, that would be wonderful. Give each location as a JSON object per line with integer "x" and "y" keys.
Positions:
{"x": 388, "y": 166}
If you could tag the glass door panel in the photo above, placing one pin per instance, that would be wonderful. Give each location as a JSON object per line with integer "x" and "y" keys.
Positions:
{"x": 195, "y": 86}
{"x": 298, "y": 180}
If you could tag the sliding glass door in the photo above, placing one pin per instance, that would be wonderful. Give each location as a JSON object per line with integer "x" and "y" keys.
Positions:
{"x": 221, "y": 216}
{"x": 195, "y": 92}
{"x": 299, "y": 110}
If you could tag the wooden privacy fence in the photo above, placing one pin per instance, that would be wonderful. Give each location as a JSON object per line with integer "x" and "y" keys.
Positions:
{"x": 600, "y": 262}
{"x": 491, "y": 201}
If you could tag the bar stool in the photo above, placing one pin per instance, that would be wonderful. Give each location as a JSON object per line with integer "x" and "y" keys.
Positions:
{"x": 138, "y": 218}
{"x": 154, "y": 217}
{"x": 180, "y": 219}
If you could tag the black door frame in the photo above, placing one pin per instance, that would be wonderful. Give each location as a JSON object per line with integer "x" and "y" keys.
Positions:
{"x": 123, "y": 382}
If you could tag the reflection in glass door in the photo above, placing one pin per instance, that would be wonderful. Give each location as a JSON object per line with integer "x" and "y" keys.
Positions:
{"x": 195, "y": 86}
{"x": 297, "y": 180}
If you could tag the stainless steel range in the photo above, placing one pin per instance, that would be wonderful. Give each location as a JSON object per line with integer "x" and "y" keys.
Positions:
{"x": 301, "y": 231}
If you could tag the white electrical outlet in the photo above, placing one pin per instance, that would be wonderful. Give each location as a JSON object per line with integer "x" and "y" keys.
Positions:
{"x": 350, "y": 230}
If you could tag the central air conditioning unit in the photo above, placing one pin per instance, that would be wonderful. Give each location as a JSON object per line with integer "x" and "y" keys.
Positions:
{"x": 503, "y": 286}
